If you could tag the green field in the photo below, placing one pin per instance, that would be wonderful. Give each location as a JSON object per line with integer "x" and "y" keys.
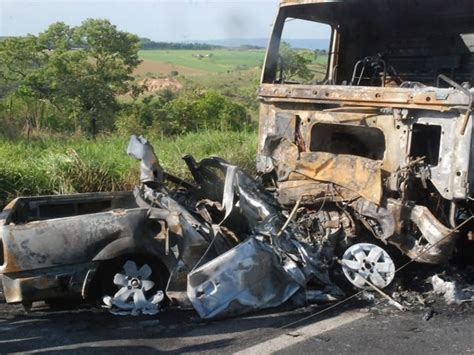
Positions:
{"x": 234, "y": 73}
{"x": 218, "y": 60}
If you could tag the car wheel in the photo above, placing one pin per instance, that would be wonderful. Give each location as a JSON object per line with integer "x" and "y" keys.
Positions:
{"x": 366, "y": 263}
{"x": 132, "y": 286}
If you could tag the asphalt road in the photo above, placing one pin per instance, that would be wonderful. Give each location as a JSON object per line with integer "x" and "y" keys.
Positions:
{"x": 349, "y": 328}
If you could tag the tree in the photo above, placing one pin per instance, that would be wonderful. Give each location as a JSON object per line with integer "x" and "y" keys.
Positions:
{"x": 200, "y": 110}
{"x": 294, "y": 65}
{"x": 79, "y": 70}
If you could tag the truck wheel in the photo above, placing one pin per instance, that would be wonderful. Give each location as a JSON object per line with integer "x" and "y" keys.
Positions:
{"x": 132, "y": 286}
{"x": 367, "y": 261}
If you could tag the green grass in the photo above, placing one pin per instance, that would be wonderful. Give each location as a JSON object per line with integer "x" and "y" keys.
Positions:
{"x": 221, "y": 61}
{"x": 59, "y": 165}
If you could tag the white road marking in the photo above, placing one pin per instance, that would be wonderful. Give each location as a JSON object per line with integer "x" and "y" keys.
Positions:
{"x": 8, "y": 341}
{"x": 307, "y": 332}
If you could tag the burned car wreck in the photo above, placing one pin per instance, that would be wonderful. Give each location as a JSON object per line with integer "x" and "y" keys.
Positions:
{"x": 221, "y": 245}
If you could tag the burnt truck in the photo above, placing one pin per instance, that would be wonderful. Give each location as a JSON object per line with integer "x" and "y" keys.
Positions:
{"x": 365, "y": 153}
{"x": 382, "y": 129}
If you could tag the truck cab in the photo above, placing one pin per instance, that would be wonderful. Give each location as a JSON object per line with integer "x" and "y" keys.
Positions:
{"x": 372, "y": 114}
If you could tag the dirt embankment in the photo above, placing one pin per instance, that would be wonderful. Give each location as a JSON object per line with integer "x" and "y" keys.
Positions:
{"x": 152, "y": 85}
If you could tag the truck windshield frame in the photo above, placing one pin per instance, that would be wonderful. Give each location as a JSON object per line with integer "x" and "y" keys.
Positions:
{"x": 391, "y": 48}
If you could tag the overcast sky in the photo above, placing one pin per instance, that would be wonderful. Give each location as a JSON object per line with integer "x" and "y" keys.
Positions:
{"x": 172, "y": 20}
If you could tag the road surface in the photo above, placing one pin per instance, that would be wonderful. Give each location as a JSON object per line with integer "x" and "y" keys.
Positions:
{"x": 349, "y": 328}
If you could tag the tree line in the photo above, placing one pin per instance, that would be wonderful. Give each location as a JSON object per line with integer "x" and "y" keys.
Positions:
{"x": 68, "y": 79}
{"x": 146, "y": 43}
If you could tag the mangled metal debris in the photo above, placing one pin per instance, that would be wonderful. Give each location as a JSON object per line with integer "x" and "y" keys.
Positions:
{"x": 451, "y": 291}
{"x": 246, "y": 278}
{"x": 222, "y": 245}
{"x": 265, "y": 262}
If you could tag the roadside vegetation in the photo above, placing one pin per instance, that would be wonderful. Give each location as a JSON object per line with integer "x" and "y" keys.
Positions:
{"x": 52, "y": 165}
{"x": 71, "y": 96}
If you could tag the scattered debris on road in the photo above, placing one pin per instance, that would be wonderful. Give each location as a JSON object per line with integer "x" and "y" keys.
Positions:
{"x": 450, "y": 290}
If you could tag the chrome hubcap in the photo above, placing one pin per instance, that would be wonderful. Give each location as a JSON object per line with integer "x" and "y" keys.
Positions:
{"x": 130, "y": 298}
{"x": 365, "y": 261}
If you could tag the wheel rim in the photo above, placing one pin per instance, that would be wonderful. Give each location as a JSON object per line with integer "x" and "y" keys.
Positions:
{"x": 133, "y": 284}
{"x": 365, "y": 261}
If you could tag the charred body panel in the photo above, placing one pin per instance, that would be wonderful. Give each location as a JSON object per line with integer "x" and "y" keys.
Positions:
{"x": 245, "y": 278}
{"x": 58, "y": 246}
{"x": 386, "y": 143}
{"x": 52, "y": 245}
{"x": 397, "y": 139}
